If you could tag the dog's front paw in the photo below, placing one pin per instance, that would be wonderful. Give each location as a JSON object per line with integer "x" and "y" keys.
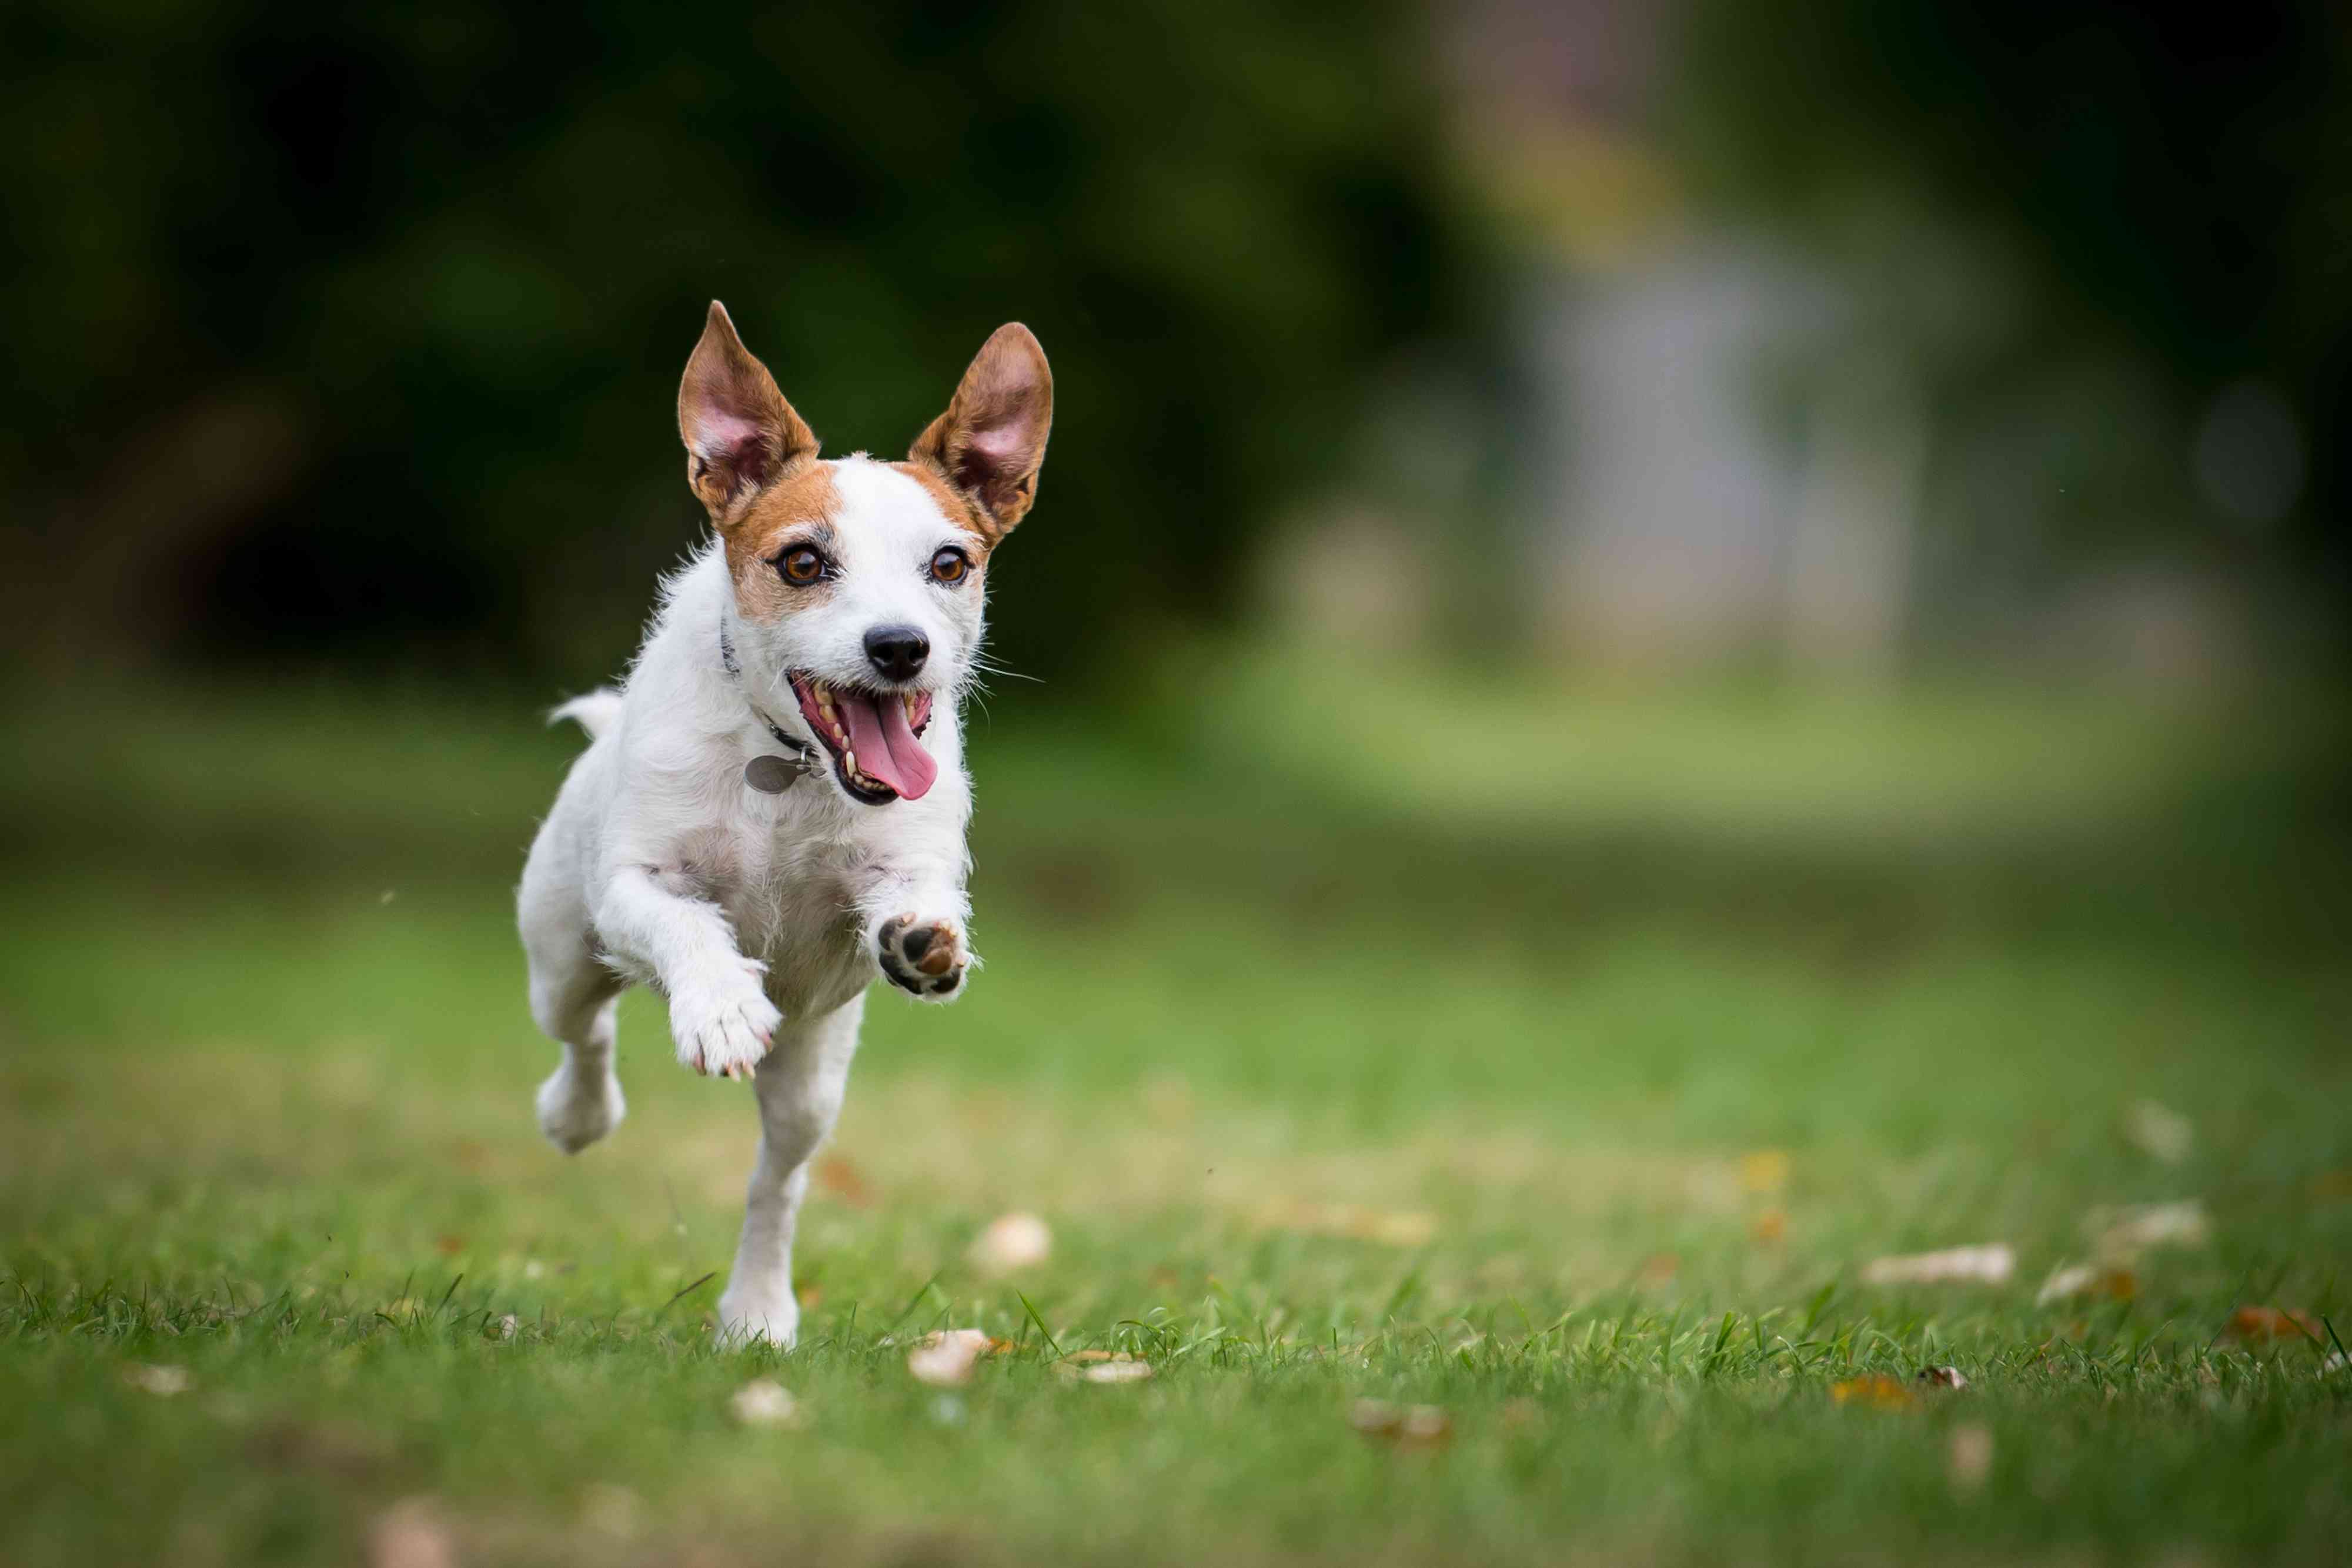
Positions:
{"x": 924, "y": 957}
{"x": 723, "y": 1030}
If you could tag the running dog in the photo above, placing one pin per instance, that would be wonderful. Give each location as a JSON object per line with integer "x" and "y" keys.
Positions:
{"x": 772, "y": 807}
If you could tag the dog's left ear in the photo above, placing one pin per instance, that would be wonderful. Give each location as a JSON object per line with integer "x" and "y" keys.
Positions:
{"x": 991, "y": 440}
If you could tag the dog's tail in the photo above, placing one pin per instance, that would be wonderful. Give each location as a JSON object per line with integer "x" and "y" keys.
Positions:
{"x": 594, "y": 711}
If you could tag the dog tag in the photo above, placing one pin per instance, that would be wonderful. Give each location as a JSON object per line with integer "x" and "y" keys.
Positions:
{"x": 771, "y": 775}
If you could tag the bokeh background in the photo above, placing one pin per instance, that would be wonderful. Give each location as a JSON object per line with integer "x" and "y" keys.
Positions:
{"x": 1665, "y": 647}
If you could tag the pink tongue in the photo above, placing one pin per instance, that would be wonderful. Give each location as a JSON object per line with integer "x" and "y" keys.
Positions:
{"x": 885, "y": 746}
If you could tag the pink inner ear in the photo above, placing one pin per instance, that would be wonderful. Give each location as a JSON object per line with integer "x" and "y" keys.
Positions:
{"x": 1001, "y": 444}
{"x": 719, "y": 436}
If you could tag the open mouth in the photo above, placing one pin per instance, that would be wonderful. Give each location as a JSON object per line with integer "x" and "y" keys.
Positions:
{"x": 875, "y": 739}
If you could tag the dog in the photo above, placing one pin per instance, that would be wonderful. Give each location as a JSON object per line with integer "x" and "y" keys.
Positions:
{"x": 772, "y": 808}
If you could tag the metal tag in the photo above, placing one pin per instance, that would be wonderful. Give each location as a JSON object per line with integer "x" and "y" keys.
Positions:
{"x": 771, "y": 775}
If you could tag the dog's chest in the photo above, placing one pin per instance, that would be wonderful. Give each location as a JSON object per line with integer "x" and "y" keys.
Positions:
{"x": 792, "y": 900}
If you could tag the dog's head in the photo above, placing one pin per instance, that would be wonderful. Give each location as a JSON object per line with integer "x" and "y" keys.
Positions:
{"x": 860, "y": 583}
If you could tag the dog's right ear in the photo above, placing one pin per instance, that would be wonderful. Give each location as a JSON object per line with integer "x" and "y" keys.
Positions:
{"x": 740, "y": 432}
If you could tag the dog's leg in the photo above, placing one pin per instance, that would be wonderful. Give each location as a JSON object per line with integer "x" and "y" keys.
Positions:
{"x": 571, "y": 994}
{"x": 581, "y": 1101}
{"x": 718, "y": 1014}
{"x": 799, "y": 1088}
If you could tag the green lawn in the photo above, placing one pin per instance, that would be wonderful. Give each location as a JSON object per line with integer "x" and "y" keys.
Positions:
{"x": 1344, "y": 1060}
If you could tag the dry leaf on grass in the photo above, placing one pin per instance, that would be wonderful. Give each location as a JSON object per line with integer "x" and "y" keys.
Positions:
{"x": 1658, "y": 1270}
{"x": 2087, "y": 1279}
{"x": 1103, "y": 1366}
{"x": 163, "y": 1381}
{"x": 1770, "y": 1228}
{"x": 2257, "y": 1324}
{"x": 2160, "y": 1131}
{"x": 945, "y": 1359}
{"x": 410, "y": 1534}
{"x": 1968, "y": 1461}
{"x": 1874, "y": 1391}
{"x": 763, "y": 1401}
{"x": 1012, "y": 1241}
{"x": 1407, "y": 1426}
{"x": 1989, "y": 1265}
{"x": 2120, "y": 1235}
{"x": 1390, "y": 1228}
{"x": 1942, "y": 1377}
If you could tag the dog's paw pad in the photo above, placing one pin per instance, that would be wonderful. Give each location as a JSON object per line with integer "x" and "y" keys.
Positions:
{"x": 923, "y": 957}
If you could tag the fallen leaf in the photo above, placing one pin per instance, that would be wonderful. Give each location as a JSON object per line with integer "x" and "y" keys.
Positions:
{"x": 2160, "y": 1131}
{"x": 1968, "y": 1461}
{"x": 838, "y": 1175}
{"x": 1988, "y": 1265}
{"x": 1765, "y": 1170}
{"x": 1770, "y": 1228}
{"x": 160, "y": 1381}
{"x": 2332, "y": 1186}
{"x": 449, "y": 1246}
{"x": 1407, "y": 1426}
{"x": 1942, "y": 1377}
{"x": 763, "y": 1401}
{"x": 2120, "y": 1235}
{"x": 945, "y": 1359}
{"x": 1118, "y": 1369}
{"x": 1876, "y": 1391}
{"x": 410, "y": 1534}
{"x": 1658, "y": 1269}
{"x": 1010, "y": 1242}
{"x": 809, "y": 1295}
{"x": 1354, "y": 1221}
{"x": 2087, "y": 1279}
{"x": 2255, "y": 1323}
{"x": 502, "y": 1328}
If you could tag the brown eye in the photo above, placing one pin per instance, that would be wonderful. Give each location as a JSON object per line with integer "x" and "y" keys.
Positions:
{"x": 950, "y": 565}
{"x": 801, "y": 566}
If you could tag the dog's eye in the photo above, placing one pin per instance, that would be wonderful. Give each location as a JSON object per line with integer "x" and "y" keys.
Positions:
{"x": 800, "y": 566}
{"x": 950, "y": 565}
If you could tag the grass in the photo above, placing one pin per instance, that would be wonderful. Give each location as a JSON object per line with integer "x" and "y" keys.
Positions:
{"x": 1571, "y": 1104}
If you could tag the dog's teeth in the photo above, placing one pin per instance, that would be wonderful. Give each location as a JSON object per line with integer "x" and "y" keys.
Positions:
{"x": 831, "y": 717}
{"x": 824, "y": 695}
{"x": 849, "y": 760}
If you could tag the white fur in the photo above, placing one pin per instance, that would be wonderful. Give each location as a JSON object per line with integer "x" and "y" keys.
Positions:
{"x": 756, "y": 915}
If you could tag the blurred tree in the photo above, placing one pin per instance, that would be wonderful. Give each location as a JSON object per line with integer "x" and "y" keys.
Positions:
{"x": 2115, "y": 237}
{"x": 354, "y": 332}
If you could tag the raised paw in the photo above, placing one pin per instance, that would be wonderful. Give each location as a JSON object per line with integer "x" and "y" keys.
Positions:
{"x": 922, "y": 957}
{"x": 723, "y": 1032}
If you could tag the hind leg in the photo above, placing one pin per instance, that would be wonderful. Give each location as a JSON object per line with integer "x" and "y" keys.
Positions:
{"x": 581, "y": 1101}
{"x": 572, "y": 998}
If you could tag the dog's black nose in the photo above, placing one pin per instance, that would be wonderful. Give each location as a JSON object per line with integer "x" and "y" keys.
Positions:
{"x": 897, "y": 651}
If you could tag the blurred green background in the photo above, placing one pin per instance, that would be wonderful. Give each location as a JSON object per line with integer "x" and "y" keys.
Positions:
{"x": 1668, "y": 648}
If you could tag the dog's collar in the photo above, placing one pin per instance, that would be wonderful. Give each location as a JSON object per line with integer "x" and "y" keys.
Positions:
{"x": 767, "y": 773}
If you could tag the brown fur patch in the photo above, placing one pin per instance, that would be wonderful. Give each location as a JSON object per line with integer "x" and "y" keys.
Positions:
{"x": 804, "y": 499}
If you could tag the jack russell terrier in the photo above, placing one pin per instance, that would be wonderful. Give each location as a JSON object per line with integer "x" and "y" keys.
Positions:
{"x": 772, "y": 809}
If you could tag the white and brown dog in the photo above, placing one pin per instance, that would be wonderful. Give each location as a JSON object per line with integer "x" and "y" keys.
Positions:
{"x": 772, "y": 808}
